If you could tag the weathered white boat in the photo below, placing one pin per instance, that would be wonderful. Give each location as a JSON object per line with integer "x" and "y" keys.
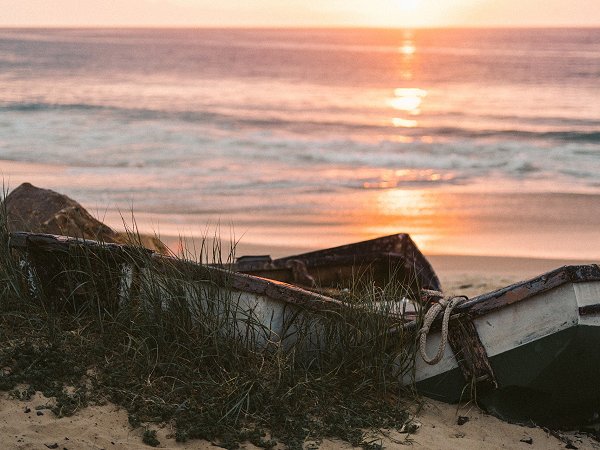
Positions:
{"x": 531, "y": 350}
{"x": 73, "y": 273}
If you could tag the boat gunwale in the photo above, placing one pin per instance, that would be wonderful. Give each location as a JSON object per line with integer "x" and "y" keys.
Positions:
{"x": 523, "y": 290}
{"x": 279, "y": 264}
{"x": 387, "y": 244}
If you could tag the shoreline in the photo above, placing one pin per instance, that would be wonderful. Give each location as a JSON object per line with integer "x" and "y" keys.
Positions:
{"x": 475, "y": 219}
{"x": 540, "y": 226}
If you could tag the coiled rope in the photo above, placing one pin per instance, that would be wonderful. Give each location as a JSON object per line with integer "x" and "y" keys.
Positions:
{"x": 447, "y": 305}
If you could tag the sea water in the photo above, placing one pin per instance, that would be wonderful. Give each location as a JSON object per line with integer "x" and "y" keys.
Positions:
{"x": 209, "y": 122}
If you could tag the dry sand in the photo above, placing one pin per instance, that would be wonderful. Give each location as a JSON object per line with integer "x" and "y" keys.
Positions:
{"x": 95, "y": 427}
{"x": 106, "y": 427}
{"x": 473, "y": 275}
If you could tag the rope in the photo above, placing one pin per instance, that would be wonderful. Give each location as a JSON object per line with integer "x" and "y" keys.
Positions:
{"x": 447, "y": 305}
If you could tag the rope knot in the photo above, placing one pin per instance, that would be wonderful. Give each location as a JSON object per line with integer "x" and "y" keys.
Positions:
{"x": 442, "y": 302}
{"x": 447, "y": 305}
{"x": 424, "y": 330}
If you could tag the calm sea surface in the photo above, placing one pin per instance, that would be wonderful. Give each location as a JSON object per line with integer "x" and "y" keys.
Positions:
{"x": 212, "y": 123}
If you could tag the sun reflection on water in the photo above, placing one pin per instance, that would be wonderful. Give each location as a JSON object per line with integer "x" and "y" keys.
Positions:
{"x": 394, "y": 178}
{"x": 404, "y": 123}
{"x": 407, "y": 101}
{"x": 407, "y": 48}
{"x": 407, "y": 51}
{"x": 425, "y": 214}
{"x": 404, "y": 202}
{"x": 408, "y": 210}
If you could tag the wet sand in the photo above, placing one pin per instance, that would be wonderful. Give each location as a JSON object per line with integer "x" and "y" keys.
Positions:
{"x": 486, "y": 218}
{"x": 541, "y": 226}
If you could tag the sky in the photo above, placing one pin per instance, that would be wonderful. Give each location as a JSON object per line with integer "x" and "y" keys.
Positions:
{"x": 300, "y": 13}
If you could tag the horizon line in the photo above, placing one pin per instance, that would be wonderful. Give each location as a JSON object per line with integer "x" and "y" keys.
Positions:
{"x": 301, "y": 27}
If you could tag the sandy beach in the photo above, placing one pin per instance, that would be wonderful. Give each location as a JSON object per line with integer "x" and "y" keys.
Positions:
{"x": 474, "y": 275}
{"x": 106, "y": 427}
{"x": 27, "y": 424}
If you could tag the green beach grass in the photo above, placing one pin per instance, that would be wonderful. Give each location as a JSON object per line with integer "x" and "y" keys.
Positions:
{"x": 196, "y": 365}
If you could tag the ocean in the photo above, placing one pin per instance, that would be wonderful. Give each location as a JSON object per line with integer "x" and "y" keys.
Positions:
{"x": 303, "y": 136}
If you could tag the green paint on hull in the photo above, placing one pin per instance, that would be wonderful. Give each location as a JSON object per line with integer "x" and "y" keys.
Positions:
{"x": 553, "y": 381}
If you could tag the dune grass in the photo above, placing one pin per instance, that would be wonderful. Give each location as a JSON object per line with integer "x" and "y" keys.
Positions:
{"x": 172, "y": 344}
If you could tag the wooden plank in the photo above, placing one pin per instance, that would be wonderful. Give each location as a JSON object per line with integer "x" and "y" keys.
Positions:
{"x": 53, "y": 243}
{"x": 275, "y": 290}
{"x": 53, "y": 266}
{"x": 484, "y": 304}
{"x": 470, "y": 353}
{"x": 518, "y": 292}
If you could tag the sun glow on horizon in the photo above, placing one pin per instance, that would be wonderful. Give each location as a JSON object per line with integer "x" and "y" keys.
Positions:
{"x": 298, "y": 13}
{"x": 409, "y": 5}
{"x": 409, "y": 12}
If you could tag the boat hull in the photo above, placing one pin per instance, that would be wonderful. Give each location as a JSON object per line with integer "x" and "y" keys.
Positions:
{"x": 542, "y": 342}
{"x": 552, "y": 381}
{"x": 75, "y": 275}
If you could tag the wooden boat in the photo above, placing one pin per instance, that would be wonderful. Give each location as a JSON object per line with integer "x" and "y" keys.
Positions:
{"x": 378, "y": 260}
{"x": 69, "y": 273}
{"x": 532, "y": 350}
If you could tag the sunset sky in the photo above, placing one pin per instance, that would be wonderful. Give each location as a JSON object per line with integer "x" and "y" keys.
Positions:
{"x": 377, "y": 13}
